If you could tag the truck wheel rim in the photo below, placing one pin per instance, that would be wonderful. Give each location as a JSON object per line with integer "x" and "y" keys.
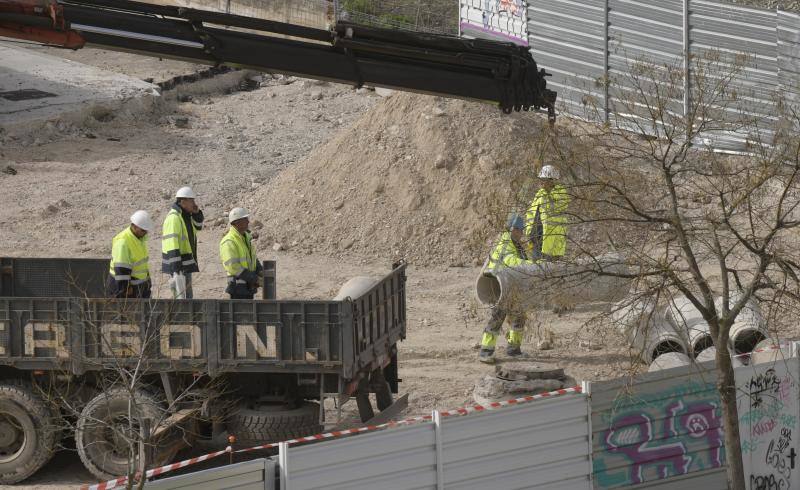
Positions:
{"x": 13, "y": 438}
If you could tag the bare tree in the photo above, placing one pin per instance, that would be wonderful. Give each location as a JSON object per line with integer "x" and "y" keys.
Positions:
{"x": 129, "y": 411}
{"x": 715, "y": 228}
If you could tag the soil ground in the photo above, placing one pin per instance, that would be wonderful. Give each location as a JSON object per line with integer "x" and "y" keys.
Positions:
{"x": 74, "y": 191}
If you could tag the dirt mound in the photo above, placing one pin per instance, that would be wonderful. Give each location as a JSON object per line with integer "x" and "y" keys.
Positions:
{"x": 418, "y": 177}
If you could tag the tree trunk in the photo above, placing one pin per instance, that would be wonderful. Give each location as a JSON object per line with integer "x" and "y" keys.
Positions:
{"x": 726, "y": 384}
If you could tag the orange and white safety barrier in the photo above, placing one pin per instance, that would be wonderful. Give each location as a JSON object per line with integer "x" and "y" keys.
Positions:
{"x": 118, "y": 482}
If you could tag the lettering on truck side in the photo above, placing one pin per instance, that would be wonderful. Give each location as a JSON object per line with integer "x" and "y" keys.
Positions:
{"x": 57, "y": 340}
{"x": 192, "y": 333}
{"x": 247, "y": 335}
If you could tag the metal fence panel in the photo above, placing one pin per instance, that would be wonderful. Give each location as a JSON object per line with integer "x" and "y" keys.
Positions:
{"x": 663, "y": 424}
{"x": 258, "y": 474}
{"x": 404, "y": 457}
{"x": 543, "y": 445}
{"x": 789, "y": 55}
{"x": 748, "y": 36}
{"x": 584, "y": 43}
{"x": 568, "y": 40}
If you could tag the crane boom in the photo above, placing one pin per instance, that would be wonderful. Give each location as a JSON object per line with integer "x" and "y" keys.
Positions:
{"x": 499, "y": 72}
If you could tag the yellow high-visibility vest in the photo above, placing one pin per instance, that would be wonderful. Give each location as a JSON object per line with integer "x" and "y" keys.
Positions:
{"x": 129, "y": 258}
{"x": 176, "y": 249}
{"x": 546, "y": 222}
{"x": 238, "y": 253}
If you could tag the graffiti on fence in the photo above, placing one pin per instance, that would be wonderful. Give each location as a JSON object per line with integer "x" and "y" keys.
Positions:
{"x": 659, "y": 434}
{"x": 498, "y": 19}
{"x": 766, "y": 403}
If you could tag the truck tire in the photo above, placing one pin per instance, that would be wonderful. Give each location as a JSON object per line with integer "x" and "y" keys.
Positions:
{"x": 29, "y": 431}
{"x": 102, "y": 449}
{"x": 274, "y": 423}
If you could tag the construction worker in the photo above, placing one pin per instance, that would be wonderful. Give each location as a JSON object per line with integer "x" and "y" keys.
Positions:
{"x": 238, "y": 255}
{"x": 179, "y": 242}
{"x": 129, "y": 273}
{"x": 546, "y": 220}
{"x": 509, "y": 251}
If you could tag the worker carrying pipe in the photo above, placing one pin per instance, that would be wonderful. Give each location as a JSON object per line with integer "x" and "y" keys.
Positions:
{"x": 238, "y": 254}
{"x": 129, "y": 272}
{"x": 179, "y": 242}
{"x": 546, "y": 220}
{"x": 509, "y": 251}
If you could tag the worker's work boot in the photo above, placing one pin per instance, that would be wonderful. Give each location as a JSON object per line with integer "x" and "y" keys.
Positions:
{"x": 486, "y": 356}
{"x": 513, "y": 351}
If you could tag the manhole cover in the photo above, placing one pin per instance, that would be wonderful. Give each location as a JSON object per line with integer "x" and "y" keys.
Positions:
{"x": 25, "y": 94}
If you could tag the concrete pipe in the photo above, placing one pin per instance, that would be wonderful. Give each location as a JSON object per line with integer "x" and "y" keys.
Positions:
{"x": 690, "y": 324}
{"x": 356, "y": 287}
{"x": 658, "y": 337}
{"x": 749, "y": 329}
{"x": 549, "y": 284}
{"x": 668, "y": 361}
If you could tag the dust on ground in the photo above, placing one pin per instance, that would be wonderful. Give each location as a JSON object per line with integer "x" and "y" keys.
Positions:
{"x": 75, "y": 189}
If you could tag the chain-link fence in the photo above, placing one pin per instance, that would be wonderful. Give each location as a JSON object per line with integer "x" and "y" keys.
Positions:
{"x": 438, "y": 16}
{"x": 433, "y": 16}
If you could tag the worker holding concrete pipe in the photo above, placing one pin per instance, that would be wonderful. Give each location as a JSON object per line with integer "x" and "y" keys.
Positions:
{"x": 129, "y": 272}
{"x": 179, "y": 242}
{"x": 509, "y": 251}
{"x": 546, "y": 220}
{"x": 238, "y": 254}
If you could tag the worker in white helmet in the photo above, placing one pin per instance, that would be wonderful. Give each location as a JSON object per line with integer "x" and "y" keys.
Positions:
{"x": 179, "y": 242}
{"x": 238, "y": 254}
{"x": 546, "y": 220}
{"x": 129, "y": 272}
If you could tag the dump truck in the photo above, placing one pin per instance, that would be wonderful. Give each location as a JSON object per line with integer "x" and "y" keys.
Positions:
{"x": 198, "y": 371}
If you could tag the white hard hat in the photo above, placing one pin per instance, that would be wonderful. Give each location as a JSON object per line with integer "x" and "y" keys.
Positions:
{"x": 186, "y": 192}
{"x": 142, "y": 219}
{"x": 549, "y": 172}
{"x": 237, "y": 214}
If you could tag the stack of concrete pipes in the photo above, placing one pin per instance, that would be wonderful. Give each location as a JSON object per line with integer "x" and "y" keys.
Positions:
{"x": 672, "y": 335}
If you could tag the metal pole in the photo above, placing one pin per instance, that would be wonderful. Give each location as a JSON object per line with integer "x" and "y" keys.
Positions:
{"x": 283, "y": 463}
{"x": 606, "y": 75}
{"x": 437, "y": 421}
{"x": 686, "y": 63}
{"x": 586, "y": 389}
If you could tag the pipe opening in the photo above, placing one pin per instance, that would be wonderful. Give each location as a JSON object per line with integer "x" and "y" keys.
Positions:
{"x": 667, "y": 346}
{"x": 747, "y": 340}
{"x": 488, "y": 289}
{"x": 702, "y": 344}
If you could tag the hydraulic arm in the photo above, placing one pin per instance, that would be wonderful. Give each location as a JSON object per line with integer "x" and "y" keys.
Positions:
{"x": 442, "y": 65}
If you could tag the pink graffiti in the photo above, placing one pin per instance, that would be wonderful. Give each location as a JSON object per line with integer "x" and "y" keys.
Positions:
{"x": 642, "y": 453}
{"x": 763, "y": 427}
{"x": 785, "y": 390}
{"x": 632, "y": 435}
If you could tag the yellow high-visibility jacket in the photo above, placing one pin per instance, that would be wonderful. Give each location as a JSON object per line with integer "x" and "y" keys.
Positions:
{"x": 177, "y": 244}
{"x": 129, "y": 258}
{"x": 546, "y": 223}
{"x": 506, "y": 253}
{"x": 238, "y": 255}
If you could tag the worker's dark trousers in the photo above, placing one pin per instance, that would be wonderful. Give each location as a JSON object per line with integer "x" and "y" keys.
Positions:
{"x": 498, "y": 315}
{"x": 242, "y": 296}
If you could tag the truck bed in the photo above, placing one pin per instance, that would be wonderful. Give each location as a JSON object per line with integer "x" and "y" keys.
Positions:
{"x": 78, "y": 335}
